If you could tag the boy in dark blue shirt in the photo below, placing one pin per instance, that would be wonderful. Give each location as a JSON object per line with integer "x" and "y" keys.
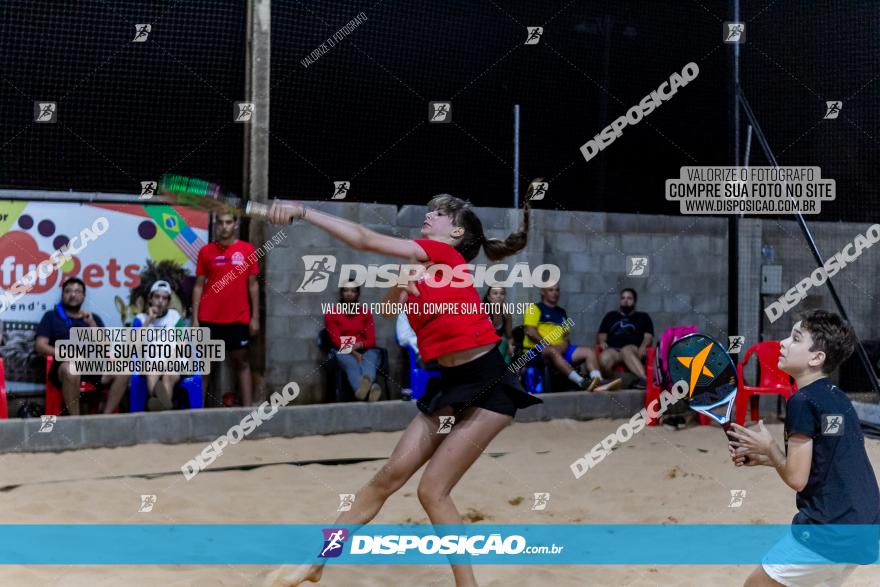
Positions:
{"x": 824, "y": 461}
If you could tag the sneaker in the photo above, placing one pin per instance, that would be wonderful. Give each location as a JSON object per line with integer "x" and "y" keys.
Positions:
{"x": 674, "y": 423}
{"x": 363, "y": 389}
{"x": 375, "y": 393}
{"x": 640, "y": 384}
{"x": 610, "y": 385}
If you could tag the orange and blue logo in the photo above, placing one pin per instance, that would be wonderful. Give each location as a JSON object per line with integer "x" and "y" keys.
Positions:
{"x": 698, "y": 368}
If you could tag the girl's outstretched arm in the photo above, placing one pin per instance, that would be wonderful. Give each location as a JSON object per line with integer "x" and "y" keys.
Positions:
{"x": 353, "y": 234}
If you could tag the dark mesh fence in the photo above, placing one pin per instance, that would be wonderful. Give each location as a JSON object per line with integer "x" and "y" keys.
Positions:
{"x": 126, "y": 111}
{"x": 794, "y": 62}
{"x": 359, "y": 112}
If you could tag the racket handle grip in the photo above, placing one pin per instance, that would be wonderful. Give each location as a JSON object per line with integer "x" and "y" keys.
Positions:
{"x": 258, "y": 210}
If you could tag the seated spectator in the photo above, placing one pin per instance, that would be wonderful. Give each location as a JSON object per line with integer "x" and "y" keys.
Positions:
{"x": 160, "y": 388}
{"x": 625, "y": 336}
{"x": 55, "y": 325}
{"x": 502, "y": 322}
{"x": 361, "y": 363}
{"x": 542, "y": 323}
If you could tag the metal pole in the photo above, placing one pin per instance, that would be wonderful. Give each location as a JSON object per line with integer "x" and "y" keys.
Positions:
{"x": 733, "y": 260}
{"x": 748, "y": 146}
{"x": 607, "y": 27}
{"x": 811, "y": 243}
{"x": 516, "y": 156}
{"x": 256, "y": 139}
{"x": 256, "y": 148}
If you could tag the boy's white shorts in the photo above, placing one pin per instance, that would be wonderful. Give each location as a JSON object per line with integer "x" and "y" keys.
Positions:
{"x": 812, "y": 569}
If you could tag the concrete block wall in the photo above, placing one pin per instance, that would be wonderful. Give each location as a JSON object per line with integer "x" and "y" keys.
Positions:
{"x": 856, "y": 284}
{"x": 687, "y": 282}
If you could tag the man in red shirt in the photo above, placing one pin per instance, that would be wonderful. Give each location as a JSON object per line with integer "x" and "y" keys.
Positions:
{"x": 361, "y": 362}
{"x": 226, "y": 278}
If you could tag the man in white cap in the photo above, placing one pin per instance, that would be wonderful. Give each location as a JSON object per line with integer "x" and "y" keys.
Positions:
{"x": 159, "y": 315}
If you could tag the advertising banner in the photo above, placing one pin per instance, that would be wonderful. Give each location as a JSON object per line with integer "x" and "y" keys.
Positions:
{"x": 116, "y": 249}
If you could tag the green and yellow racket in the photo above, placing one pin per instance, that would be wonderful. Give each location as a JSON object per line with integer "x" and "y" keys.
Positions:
{"x": 204, "y": 195}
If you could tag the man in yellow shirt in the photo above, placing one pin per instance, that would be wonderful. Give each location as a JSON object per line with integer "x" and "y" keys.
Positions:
{"x": 547, "y": 330}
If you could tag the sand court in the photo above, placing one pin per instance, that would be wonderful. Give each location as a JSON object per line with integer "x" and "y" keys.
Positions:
{"x": 658, "y": 477}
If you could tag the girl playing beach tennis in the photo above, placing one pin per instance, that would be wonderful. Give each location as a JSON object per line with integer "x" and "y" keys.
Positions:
{"x": 475, "y": 385}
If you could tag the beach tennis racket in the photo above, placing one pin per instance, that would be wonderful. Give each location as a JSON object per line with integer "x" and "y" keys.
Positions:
{"x": 710, "y": 374}
{"x": 204, "y": 195}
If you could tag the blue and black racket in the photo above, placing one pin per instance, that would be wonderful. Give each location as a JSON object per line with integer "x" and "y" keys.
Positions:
{"x": 710, "y": 374}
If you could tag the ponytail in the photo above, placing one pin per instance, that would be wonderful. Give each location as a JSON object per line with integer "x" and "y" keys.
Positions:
{"x": 497, "y": 249}
{"x": 474, "y": 238}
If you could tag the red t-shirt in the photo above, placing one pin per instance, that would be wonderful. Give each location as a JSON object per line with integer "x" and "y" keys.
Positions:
{"x": 225, "y": 296}
{"x": 439, "y": 334}
{"x": 359, "y": 326}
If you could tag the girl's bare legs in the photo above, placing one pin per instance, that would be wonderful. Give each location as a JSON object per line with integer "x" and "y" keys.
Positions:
{"x": 415, "y": 447}
{"x": 467, "y": 441}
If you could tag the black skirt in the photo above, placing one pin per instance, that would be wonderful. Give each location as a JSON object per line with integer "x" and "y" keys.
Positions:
{"x": 486, "y": 382}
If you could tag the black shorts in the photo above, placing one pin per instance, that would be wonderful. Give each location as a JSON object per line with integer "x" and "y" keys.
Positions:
{"x": 486, "y": 382}
{"x": 56, "y": 379}
{"x": 234, "y": 335}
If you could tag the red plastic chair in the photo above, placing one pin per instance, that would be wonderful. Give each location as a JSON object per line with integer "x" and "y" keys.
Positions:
{"x": 54, "y": 397}
{"x": 772, "y": 380}
{"x": 4, "y": 409}
{"x": 652, "y": 389}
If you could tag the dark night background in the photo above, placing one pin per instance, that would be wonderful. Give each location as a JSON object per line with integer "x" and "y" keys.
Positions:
{"x": 132, "y": 111}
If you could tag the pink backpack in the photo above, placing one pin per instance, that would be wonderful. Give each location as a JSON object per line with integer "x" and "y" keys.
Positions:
{"x": 670, "y": 336}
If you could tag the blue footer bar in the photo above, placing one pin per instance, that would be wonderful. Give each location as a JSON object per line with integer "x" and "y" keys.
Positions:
{"x": 523, "y": 544}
